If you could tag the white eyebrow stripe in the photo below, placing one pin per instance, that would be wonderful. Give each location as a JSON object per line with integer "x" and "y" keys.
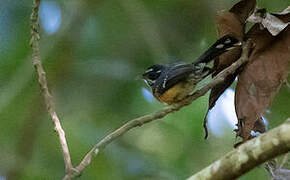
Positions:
{"x": 149, "y": 70}
{"x": 180, "y": 64}
{"x": 158, "y": 71}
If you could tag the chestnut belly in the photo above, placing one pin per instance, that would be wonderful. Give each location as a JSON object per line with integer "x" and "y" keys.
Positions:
{"x": 176, "y": 93}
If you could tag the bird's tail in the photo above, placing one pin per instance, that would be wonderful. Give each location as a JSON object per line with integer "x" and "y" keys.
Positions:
{"x": 221, "y": 46}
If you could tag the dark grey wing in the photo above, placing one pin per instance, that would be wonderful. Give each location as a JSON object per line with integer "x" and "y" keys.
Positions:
{"x": 172, "y": 76}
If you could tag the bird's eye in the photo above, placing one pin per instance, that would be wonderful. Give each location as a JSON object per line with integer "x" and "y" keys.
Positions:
{"x": 154, "y": 75}
{"x": 153, "y": 72}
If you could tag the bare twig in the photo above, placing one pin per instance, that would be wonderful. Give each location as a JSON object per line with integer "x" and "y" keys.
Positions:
{"x": 249, "y": 155}
{"x": 276, "y": 171}
{"x": 162, "y": 113}
{"x": 43, "y": 84}
{"x": 282, "y": 174}
{"x": 284, "y": 161}
{"x": 271, "y": 167}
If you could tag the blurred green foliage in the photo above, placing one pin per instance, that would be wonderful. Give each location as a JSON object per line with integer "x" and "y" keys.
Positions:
{"x": 92, "y": 62}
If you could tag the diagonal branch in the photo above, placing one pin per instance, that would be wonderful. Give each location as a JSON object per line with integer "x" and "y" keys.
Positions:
{"x": 249, "y": 155}
{"x": 162, "y": 113}
{"x": 34, "y": 42}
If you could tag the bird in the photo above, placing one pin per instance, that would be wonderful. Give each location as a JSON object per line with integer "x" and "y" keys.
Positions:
{"x": 171, "y": 83}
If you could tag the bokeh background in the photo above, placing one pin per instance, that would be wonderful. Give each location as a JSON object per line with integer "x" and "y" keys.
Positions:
{"x": 94, "y": 52}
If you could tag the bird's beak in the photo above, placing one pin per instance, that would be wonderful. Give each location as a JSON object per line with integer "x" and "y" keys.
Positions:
{"x": 139, "y": 77}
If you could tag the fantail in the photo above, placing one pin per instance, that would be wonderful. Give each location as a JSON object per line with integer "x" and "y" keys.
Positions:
{"x": 173, "y": 82}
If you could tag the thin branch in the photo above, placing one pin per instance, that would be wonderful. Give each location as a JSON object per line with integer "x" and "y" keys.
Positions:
{"x": 282, "y": 174}
{"x": 271, "y": 167}
{"x": 249, "y": 155}
{"x": 162, "y": 113}
{"x": 284, "y": 161}
{"x": 43, "y": 85}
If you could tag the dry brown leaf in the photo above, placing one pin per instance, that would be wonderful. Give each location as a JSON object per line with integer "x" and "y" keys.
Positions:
{"x": 262, "y": 76}
{"x": 232, "y": 23}
{"x": 269, "y": 21}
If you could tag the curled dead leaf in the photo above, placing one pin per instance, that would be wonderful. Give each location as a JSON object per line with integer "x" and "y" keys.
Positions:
{"x": 269, "y": 21}
{"x": 232, "y": 23}
{"x": 262, "y": 77}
